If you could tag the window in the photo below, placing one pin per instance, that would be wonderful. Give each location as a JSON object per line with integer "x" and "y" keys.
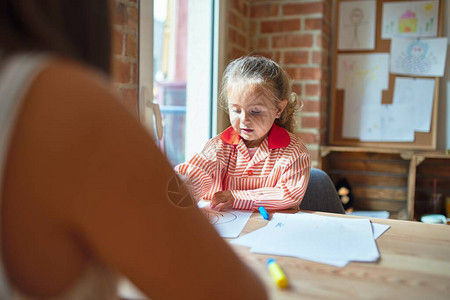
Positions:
{"x": 178, "y": 63}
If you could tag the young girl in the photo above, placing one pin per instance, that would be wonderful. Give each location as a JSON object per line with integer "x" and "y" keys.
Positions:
{"x": 256, "y": 161}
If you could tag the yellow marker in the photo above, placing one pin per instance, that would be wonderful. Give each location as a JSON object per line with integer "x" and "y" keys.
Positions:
{"x": 277, "y": 274}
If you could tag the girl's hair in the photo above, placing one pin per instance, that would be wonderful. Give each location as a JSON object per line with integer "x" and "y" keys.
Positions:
{"x": 78, "y": 29}
{"x": 269, "y": 77}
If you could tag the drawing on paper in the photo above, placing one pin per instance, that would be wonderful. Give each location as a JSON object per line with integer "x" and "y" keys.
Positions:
{"x": 417, "y": 59}
{"x": 356, "y": 19}
{"x": 424, "y": 57}
{"x": 407, "y": 22}
{"x": 409, "y": 19}
{"x": 357, "y": 25}
{"x": 362, "y": 71}
{"x": 363, "y": 77}
{"x": 219, "y": 217}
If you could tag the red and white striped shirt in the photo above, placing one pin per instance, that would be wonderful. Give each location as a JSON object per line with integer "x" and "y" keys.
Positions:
{"x": 276, "y": 176}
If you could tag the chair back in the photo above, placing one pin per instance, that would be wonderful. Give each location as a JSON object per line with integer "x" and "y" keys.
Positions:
{"x": 321, "y": 195}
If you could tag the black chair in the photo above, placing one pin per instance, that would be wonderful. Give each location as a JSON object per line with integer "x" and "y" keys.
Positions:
{"x": 321, "y": 194}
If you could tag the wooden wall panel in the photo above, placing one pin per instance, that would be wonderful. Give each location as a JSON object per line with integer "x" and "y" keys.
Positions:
{"x": 379, "y": 181}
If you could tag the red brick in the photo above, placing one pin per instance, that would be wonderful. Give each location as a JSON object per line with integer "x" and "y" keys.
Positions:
{"x": 134, "y": 76}
{"x": 304, "y": 73}
{"x": 131, "y": 46}
{"x": 268, "y": 54}
{"x": 313, "y": 24}
{"x": 317, "y": 57}
{"x": 126, "y": 15}
{"x": 322, "y": 41}
{"x": 235, "y": 53}
{"x": 327, "y": 11}
{"x": 117, "y": 42}
{"x": 280, "y": 26}
{"x": 236, "y": 20}
{"x": 263, "y": 10}
{"x": 120, "y": 15}
{"x": 324, "y": 88}
{"x": 323, "y": 121}
{"x": 241, "y": 40}
{"x": 254, "y": 28}
{"x": 133, "y": 17}
{"x": 129, "y": 98}
{"x": 297, "y": 57}
{"x": 232, "y": 18}
{"x": 310, "y": 122}
{"x": 311, "y": 106}
{"x": 324, "y": 105}
{"x": 116, "y": 90}
{"x": 303, "y": 8}
{"x": 263, "y": 43}
{"x": 325, "y": 78}
{"x": 308, "y": 137}
{"x": 245, "y": 9}
{"x": 121, "y": 71}
{"x": 240, "y": 6}
{"x": 292, "y": 40}
{"x": 236, "y": 38}
{"x": 297, "y": 88}
{"x": 277, "y": 57}
{"x": 313, "y": 89}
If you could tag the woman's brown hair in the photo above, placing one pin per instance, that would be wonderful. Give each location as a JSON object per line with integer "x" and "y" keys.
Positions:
{"x": 79, "y": 29}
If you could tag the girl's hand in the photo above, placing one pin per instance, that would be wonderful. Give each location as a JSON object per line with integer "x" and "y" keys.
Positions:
{"x": 222, "y": 200}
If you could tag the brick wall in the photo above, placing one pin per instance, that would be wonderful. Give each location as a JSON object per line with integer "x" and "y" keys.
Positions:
{"x": 237, "y": 29}
{"x": 125, "y": 51}
{"x": 296, "y": 34}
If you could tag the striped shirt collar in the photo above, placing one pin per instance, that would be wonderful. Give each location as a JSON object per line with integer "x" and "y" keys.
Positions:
{"x": 278, "y": 137}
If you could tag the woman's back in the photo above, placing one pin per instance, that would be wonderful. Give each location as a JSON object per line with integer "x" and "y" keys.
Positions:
{"x": 83, "y": 185}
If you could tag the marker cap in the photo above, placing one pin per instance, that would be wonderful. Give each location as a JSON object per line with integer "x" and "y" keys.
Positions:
{"x": 263, "y": 212}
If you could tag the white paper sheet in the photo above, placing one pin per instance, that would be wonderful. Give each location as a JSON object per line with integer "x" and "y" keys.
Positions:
{"x": 363, "y": 77}
{"x": 357, "y": 25}
{"x": 330, "y": 240}
{"x": 387, "y": 123}
{"x": 418, "y": 57}
{"x": 409, "y": 19}
{"x": 249, "y": 239}
{"x": 418, "y": 93}
{"x": 229, "y": 223}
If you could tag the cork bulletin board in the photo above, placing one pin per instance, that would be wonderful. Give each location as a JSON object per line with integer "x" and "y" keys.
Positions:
{"x": 349, "y": 44}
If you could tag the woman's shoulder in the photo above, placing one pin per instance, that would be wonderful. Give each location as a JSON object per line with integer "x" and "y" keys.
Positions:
{"x": 71, "y": 78}
{"x": 73, "y": 92}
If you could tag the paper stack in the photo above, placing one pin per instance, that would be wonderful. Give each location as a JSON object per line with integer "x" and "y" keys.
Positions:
{"x": 329, "y": 240}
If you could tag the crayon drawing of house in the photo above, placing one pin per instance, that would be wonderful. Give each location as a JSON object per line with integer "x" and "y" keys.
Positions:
{"x": 407, "y": 22}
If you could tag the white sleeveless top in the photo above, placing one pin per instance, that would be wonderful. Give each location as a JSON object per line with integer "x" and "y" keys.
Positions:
{"x": 16, "y": 75}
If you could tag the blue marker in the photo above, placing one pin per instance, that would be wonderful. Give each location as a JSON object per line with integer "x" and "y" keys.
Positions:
{"x": 263, "y": 212}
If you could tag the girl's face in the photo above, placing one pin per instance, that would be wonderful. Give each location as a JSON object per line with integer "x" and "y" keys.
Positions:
{"x": 252, "y": 113}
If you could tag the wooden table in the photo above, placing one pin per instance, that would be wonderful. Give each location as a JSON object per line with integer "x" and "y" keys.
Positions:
{"x": 414, "y": 264}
